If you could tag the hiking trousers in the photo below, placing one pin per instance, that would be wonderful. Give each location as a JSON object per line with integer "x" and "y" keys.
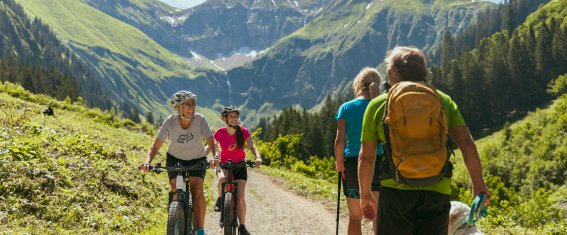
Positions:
{"x": 416, "y": 212}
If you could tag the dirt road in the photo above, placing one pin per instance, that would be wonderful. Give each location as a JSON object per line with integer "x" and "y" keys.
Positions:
{"x": 273, "y": 210}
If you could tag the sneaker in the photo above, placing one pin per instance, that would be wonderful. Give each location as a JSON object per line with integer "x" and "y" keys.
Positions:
{"x": 217, "y": 205}
{"x": 242, "y": 230}
{"x": 200, "y": 231}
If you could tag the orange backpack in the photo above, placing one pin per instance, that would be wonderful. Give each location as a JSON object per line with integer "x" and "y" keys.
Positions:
{"x": 415, "y": 127}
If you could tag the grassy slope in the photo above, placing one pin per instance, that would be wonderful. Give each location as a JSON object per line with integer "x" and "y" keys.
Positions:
{"x": 537, "y": 143}
{"x": 352, "y": 22}
{"x": 349, "y": 24}
{"x": 530, "y": 159}
{"x": 89, "y": 27}
{"x": 75, "y": 172}
{"x": 122, "y": 54}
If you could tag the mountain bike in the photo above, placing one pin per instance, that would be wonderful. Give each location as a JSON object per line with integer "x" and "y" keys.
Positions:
{"x": 181, "y": 218}
{"x": 229, "y": 209}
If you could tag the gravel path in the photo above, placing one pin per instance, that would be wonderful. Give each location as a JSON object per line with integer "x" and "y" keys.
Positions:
{"x": 272, "y": 210}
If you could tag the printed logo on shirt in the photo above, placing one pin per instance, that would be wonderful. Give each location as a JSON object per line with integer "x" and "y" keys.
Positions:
{"x": 185, "y": 138}
{"x": 232, "y": 147}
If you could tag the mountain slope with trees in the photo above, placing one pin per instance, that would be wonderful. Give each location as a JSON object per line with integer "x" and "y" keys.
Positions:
{"x": 323, "y": 57}
{"x": 484, "y": 104}
{"x": 525, "y": 167}
{"x": 215, "y": 34}
{"x": 139, "y": 73}
{"x": 32, "y": 55}
{"x": 508, "y": 73}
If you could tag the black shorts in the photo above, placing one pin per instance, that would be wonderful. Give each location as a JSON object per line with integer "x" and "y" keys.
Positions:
{"x": 412, "y": 212}
{"x": 240, "y": 173}
{"x": 172, "y": 160}
{"x": 350, "y": 181}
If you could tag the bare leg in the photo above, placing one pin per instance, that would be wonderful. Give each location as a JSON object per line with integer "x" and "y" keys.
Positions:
{"x": 354, "y": 216}
{"x": 241, "y": 201}
{"x": 219, "y": 187}
{"x": 196, "y": 184}
{"x": 172, "y": 188}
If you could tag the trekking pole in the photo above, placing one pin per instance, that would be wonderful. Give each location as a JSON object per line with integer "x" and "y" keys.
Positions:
{"x": 338, "y": 201}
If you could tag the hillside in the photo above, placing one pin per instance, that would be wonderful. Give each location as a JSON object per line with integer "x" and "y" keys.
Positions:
{"x": 24, "y": 46}
{"x": 75, "y": 172}
{"x": 216, "y": 34}
{"x": 322, "y": 57}
{"x": 149, "y": 16}
{"x": 137, "y": 71}
{"x": 219, "y": 28}
{"x": 508, "y": 73}
{"x": 525, "y": 165}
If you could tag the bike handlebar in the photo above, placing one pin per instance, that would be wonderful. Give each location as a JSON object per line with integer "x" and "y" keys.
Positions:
{"x": 157, "y": 168}
{"x": 230, "y": 165}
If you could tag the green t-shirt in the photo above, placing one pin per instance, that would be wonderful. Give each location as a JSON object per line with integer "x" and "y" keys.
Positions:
{"x": 372, "y": 131}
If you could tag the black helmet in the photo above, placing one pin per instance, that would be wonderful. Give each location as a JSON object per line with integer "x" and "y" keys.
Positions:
{"x": 229, "y": 109}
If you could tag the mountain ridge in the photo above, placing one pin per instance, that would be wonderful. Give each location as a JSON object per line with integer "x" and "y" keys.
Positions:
{"x": 314, "y": 50}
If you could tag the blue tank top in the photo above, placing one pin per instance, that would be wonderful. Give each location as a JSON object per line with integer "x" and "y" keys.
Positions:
{"x": 353, "y": 112}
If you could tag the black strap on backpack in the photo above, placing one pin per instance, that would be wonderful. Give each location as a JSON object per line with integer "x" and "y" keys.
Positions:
{"x": 387, "y": 168}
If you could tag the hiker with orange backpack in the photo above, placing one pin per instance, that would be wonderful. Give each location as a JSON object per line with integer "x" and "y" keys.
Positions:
{"x": 366, "y": 86}
{"x": 413, "y": 121}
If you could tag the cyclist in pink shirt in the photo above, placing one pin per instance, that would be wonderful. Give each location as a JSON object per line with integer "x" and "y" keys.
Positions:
{"x": 232, "y": 140}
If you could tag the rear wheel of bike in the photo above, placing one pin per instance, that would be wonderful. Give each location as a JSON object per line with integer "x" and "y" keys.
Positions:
{"x": 228, "y": 214}
{"x": 175, "y": 219}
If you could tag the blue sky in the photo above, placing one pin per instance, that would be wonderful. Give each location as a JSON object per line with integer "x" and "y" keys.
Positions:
{"x": 184, "y": 4}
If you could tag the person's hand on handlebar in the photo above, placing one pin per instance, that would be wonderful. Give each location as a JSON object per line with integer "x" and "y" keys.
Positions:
{"x": 145, "y": 166}
{"x": 216, "y": 162}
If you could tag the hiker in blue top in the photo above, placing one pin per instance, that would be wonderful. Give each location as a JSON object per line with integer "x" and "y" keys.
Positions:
{"x": 418, "y": 204}
{"x": 347, "y": 143}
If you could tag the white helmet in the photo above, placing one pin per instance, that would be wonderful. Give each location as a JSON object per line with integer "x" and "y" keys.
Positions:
{"x": 180, "y": 97}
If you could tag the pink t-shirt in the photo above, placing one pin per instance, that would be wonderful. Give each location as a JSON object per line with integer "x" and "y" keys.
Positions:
{"x": 227, "y": 142}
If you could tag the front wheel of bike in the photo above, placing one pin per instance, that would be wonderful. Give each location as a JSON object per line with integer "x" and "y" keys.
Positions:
{"x": 191, "y": 222}
{"x": 228, "y": 214}
{"x": 175, "y": 219}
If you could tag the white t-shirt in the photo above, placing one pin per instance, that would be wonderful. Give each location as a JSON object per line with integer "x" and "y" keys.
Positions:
{"x": 186, "y": 144}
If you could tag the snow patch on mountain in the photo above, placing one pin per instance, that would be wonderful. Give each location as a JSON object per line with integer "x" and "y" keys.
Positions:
{"x": 195, "y": 55}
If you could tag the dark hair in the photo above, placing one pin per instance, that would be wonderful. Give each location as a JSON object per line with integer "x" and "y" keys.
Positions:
{"x": 239, "y": 137}
{"x": 408, "y": 63}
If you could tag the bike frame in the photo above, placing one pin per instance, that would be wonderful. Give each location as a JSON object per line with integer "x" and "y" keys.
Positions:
{"x": 184, "y": 195}
{"x": 182, "y": 192}
{"x": 231, "y": 186}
